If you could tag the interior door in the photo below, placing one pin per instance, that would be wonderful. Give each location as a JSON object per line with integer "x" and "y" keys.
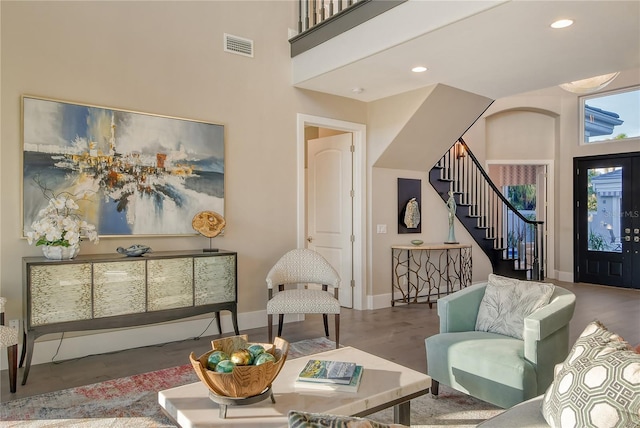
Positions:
{"x": 607, "y": 220}
{"x": 330, "y": 206}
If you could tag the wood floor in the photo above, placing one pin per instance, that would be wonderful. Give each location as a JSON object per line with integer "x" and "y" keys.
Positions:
{"x": 395, "y": 333}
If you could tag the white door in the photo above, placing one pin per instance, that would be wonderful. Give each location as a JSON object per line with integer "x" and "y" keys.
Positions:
{"x": 330, "y": 206}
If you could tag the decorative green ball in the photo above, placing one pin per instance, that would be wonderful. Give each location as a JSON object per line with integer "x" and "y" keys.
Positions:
{"x": 214, "y": 358}
{"x": 256, "y": 349}
{"x": 225, "y": 366}
{"x": 263, "y": 358}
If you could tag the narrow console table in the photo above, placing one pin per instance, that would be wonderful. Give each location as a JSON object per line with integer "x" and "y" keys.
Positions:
{"x": 428, "y": 271}
{"x": 104, "y": 291}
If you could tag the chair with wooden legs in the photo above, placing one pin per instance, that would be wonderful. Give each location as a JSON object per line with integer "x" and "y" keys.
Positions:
{"x": 301, "y": 267}
{"x": 9, "y": 339}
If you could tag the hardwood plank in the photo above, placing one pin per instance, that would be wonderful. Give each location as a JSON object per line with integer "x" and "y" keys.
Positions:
{"x": 395, "y": 333}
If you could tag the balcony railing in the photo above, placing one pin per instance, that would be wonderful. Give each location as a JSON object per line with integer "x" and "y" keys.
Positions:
{"x": 314, "y": 12}
{"x": 321, "y": 20}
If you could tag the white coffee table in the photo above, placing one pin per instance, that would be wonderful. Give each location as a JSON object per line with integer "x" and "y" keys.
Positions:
{"x": 384, "y": 384}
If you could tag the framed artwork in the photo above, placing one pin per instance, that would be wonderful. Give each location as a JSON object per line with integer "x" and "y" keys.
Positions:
{"x": 409, "y": 205}
{"x": 132, "y": 173}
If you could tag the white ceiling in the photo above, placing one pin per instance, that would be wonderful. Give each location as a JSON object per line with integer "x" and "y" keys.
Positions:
{"x": 490, "y": 48}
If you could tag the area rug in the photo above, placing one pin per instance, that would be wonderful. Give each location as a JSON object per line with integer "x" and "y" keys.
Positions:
{"x": 133, "y": 402}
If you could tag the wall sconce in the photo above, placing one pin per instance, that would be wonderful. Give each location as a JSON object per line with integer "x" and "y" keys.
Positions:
{"x": 460, "y": 150}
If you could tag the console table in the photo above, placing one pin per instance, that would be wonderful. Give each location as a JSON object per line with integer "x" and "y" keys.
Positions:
{"x": 103, "y": 291}
{"x": 428, "y": 271}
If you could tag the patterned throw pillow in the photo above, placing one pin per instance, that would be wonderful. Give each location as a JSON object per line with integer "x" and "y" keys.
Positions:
{"x": 507, "y": 302}
{"x": 318, "y": 420}
{"x": 598, "y": 385}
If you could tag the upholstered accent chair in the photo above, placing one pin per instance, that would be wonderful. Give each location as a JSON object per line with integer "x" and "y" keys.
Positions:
{"x": 500, "y": 369}
{"x": 298, "y": 268}
{"x": 9, "y": 340}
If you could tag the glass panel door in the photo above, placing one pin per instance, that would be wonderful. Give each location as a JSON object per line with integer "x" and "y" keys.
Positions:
{"x": 607, "y": 193}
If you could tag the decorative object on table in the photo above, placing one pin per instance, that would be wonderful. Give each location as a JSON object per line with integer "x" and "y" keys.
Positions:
{"x": 352, "y": 386}
{"x": 209, "y": 224}
{"x": 327, "y": 371}
{"x": 135, "y": 250}
{"x": 409, "y": 200}
{"x": 60, "y": 227}
{"x": 417, "y": 242}
{"x": 451, "y": 206}
{"x": 244, "y": 382}
{"x": 147, "y": 172}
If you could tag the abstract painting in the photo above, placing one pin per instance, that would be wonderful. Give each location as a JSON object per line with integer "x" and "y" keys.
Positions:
{"x": 132, "y": 173}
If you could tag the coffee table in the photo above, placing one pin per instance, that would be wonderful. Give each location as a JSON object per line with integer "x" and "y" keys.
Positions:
{"x": 384, "y": 384}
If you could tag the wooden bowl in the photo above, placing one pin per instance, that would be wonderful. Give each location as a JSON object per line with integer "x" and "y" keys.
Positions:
{"x": 243, "y": 381}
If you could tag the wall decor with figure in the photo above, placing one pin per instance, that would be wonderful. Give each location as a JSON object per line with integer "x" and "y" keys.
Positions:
{"x": 132, "y": 173}
{"x": 409, "y": 205}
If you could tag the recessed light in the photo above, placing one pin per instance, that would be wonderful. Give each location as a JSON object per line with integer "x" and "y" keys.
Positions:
{"x": 357, "y": 90}
{"x": 419, "y": 69}
{"x": 562, "y": 23}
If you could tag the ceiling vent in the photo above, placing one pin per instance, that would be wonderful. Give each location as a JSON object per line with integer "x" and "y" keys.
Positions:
{"x": 238, "y": 45}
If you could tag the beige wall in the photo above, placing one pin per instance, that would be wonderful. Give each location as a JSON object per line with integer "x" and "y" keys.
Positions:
{"x": 167, "y": 58}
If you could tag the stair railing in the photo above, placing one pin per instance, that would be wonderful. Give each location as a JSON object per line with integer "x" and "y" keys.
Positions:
{"x": 509, "y": 238}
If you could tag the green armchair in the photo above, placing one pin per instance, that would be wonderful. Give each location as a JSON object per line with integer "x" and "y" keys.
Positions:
{"x": 499, "y": 369}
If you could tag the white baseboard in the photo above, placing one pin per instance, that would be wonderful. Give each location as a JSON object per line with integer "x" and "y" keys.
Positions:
{"x": 84, "y": 344}
{"x": 564, "y": 276}
{"x": 379, "y": 301}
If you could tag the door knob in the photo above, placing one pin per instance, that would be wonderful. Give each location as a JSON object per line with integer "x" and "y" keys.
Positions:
{"x": 309, "y": 239}
{"x": 636, "y": 239}
{"x": 627, "y": 238}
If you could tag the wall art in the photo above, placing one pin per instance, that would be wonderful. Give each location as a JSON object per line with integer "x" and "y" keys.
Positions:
{"x": 409, "y": 205}
{"x": 133, "y": 173}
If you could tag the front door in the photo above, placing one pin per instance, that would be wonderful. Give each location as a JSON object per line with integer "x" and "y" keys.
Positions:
{"x": 607, "y": 220}
{"x": 330, "y": 206}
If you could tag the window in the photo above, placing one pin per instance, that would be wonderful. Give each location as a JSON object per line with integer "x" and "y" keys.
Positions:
{"x": 610, "y": 116}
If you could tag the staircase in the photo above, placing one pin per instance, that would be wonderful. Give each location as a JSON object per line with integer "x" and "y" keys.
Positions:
{"x": 513, "y": 243}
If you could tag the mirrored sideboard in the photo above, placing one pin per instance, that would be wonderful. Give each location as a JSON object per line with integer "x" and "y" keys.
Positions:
{"x": 106, "y": 291}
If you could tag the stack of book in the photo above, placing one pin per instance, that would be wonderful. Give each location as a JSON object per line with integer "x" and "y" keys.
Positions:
{"x": 330, "y": 376}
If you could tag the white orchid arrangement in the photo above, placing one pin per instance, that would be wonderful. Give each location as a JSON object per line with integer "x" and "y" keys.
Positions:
{"x": 60, "y": 224}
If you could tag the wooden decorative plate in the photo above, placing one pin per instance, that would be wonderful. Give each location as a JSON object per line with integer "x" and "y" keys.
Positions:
{"x": 208, "y": 223}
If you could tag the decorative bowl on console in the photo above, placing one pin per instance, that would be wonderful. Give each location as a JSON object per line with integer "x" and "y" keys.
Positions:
{"x": 244, "y": 380}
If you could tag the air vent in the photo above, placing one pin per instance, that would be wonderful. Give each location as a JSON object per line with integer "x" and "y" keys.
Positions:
{"x": 238, "y": 45}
